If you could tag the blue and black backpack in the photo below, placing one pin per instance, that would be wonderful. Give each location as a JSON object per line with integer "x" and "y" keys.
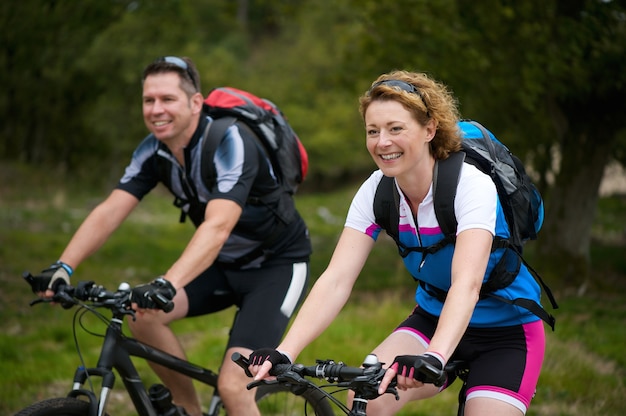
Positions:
{"x": 521, "y": 202}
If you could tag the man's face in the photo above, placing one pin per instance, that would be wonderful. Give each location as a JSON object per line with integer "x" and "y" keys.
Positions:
{"x": 167, "y": 111}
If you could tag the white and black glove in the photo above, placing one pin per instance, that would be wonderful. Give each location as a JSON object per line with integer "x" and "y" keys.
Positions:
{"x": 58, "y": 274}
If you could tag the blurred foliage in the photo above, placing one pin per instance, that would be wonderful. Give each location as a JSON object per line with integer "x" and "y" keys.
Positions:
{"x": 72, "y": 85}
{"x": 545, "y": 75}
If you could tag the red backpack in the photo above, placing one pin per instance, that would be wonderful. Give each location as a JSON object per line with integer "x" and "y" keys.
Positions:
{"x": 288, "y": 156}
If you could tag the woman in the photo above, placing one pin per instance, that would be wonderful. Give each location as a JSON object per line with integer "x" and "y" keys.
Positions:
{"x": 411, "y": 121}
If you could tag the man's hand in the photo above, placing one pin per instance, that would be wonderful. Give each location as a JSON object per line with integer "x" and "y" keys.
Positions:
{"x": 160, "y": 288}
{"x": 56, "y": 275}
{"x": 263, "y": 359}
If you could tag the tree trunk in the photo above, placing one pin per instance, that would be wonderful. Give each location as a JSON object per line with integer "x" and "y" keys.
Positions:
{"x": 564, "y": 242}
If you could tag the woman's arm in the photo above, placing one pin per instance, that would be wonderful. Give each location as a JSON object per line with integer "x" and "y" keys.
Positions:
{"x": 469, "y": 263}
{"x": 328, "y": 296}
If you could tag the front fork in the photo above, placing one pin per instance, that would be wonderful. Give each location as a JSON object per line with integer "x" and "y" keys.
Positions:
{"x": 216, "y": 404}
{"x": 96, "y": 407}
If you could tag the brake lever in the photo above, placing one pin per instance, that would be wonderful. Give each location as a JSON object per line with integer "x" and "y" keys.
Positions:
{"x": 130, "y": 312}
{"x": 264, "y": 382}
{"x": 394, "y": 391}
{"x": 61, "y": 297}
{"x": 298, "y": 384}
{"x": 39, "y": 300}
{"x": 64, "y": 299}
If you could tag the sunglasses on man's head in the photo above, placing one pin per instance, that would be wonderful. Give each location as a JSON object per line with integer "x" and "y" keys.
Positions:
{"x": 179, "y": 62}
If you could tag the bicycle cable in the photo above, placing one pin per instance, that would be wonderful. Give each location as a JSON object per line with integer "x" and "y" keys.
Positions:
{"x": 79, "y": 314}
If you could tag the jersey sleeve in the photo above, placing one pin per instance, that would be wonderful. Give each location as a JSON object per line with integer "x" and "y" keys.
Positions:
{"x": 476, "y": 201}
{"x": 361, "y": 212}
{"x": 140, "y": 176}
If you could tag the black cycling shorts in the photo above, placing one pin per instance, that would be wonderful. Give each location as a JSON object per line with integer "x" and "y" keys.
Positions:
{"x": 505, "y": 362}
{"x": 266, "y": 298}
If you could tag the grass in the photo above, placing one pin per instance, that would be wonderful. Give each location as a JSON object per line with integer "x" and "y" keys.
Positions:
{"x": 584, "y": 372}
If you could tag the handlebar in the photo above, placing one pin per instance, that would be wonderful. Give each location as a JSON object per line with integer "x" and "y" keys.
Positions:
{"x": 118, "y": 301}
{"x": 363, "y": 380}
{"x": 371, "y": 373}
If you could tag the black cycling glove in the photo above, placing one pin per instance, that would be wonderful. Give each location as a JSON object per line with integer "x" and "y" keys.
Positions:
{"x": 56, "y": 275}
{"x": 159, "y": 287}
{"x": 275, "y": 357}
{"x": 426, "y": 368}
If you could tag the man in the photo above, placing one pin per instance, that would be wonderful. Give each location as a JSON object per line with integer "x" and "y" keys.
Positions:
{"x": 240, "y": 254}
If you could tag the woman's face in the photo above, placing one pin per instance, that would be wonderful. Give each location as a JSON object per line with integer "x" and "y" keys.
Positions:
{"x": 395, "y": 140}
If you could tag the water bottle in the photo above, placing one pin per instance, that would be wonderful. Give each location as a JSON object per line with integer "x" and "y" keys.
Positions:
{"x": 161, "y": 399}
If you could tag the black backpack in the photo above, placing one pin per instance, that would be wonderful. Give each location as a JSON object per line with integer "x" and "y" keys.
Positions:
{"x": 227, "y": 105}
{"x": 521, "y": 202}
{"x": 264, "y": 122}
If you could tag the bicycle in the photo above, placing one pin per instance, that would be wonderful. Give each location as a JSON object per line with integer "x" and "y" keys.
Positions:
{"x": 363, "y": 381}
{"x": 115, "y": 357}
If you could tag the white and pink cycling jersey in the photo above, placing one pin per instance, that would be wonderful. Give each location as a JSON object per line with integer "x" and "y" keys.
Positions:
{"x": 476, "y": 206}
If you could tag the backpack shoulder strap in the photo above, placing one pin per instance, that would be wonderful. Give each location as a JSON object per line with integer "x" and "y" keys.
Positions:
{"x": 445, "y": 181}
{"x": 213, "y": 134}
{"x": 386, "y": 206}
{"x": 212, "y": 137}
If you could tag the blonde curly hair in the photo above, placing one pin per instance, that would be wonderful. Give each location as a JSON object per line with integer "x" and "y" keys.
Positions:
{"x": 426, "y": 99}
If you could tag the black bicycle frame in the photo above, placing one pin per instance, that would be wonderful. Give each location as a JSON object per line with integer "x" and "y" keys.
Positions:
{"x": 117, "y": 350}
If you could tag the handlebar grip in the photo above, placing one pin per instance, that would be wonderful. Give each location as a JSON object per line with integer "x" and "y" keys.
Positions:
{"x": 282, "y": 368}
{"x": 35, "y": 286}
{"x": 242, "y": 362}
{"x": 431, "y": 374}
{"x": 162, "y": 302}
{"x": 63, "y": 293}
{"x": 339, "y": 371}
{"x": 29, "y": 278}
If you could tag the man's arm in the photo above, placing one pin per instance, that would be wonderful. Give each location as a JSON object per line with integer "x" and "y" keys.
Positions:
{"x": 221, "y": 216}
{"x": 98, "y": 226}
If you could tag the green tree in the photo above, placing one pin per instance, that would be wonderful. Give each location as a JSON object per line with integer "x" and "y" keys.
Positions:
{"x": 71, "y": 70}
{"x": 557, "y": 72}
{"x": 545, "y": 75}
{"x": 44, "y": 89}
{"x": 219, "y": 36}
